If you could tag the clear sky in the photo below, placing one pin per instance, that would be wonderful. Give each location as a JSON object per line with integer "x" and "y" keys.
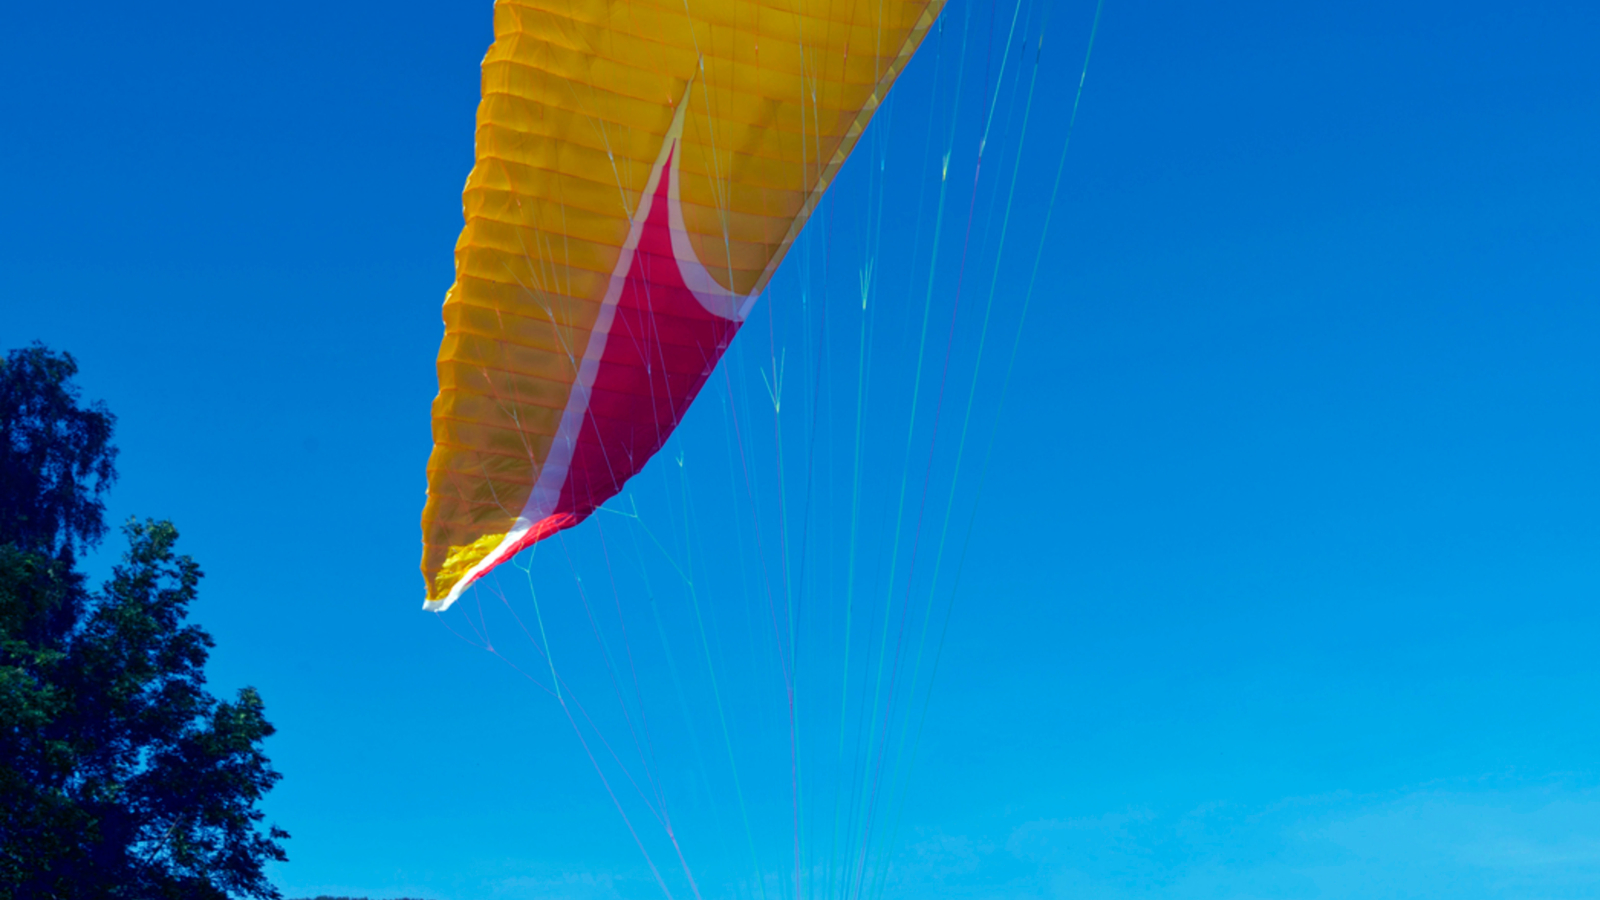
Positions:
{"x": 1284, "y": 577}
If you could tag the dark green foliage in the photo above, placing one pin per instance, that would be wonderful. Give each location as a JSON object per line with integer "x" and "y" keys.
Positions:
{"x": 121, "y": 775}
{"x": 56, "y": 457}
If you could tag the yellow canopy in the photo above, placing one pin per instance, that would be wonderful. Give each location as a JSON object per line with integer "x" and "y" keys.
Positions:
{"x": 642, "y": 168}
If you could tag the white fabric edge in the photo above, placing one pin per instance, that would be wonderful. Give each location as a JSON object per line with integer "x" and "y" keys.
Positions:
{"x": 547, "y": 489}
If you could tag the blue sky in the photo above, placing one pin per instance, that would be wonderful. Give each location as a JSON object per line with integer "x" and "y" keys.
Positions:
{"x": 1284, "y": 577}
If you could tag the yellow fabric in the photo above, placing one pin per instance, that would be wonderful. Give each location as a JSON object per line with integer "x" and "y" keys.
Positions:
{"x": 577, "y": 98}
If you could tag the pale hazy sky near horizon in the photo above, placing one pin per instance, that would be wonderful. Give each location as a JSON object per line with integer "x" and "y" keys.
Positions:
{"x": 1286, "y": 578}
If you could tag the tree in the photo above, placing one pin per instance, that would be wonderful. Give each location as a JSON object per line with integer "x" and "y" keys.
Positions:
{"x": 56, "y": 458}
{"x": 122, "y": 776}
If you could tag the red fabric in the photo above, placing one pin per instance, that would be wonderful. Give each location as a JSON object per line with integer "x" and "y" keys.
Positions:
{"x": 661, "y": 349}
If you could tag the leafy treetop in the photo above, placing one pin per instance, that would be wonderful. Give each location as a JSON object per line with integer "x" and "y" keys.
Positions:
{"x": 122, "y": 776}
{"x": 56, "y": 457}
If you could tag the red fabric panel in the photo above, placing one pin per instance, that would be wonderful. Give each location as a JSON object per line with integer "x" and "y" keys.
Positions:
{"x": 661, "y": 349}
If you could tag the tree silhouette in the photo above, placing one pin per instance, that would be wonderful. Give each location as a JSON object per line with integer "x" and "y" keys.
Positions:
{"x": 122, "y": 776}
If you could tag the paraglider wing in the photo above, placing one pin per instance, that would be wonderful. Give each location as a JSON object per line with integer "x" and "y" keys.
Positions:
{"x": 642, "y": 167}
